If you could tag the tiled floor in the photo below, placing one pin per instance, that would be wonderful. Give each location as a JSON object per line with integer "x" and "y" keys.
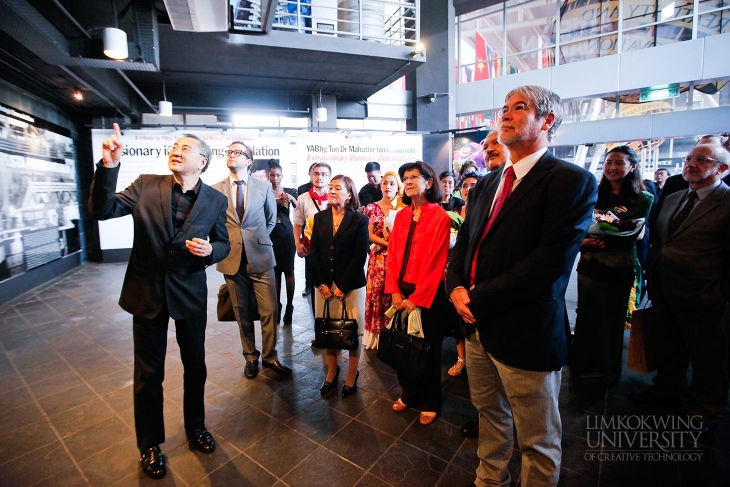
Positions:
{"x": 66, "y": 414}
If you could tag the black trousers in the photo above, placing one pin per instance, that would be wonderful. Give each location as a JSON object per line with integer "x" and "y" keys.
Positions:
{"x": 694, "y": 335}
{"x": 150, "y": 346}
{"x": 428, "y": 393}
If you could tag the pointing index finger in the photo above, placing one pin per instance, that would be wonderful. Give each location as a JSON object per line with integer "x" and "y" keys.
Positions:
{"x": 117, "y": 132}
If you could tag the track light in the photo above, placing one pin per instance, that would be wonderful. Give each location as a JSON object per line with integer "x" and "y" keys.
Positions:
{"x": 115, "y": 43}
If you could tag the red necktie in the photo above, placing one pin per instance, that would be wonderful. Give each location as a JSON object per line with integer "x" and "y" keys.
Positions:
{"x": 509, "y": 178}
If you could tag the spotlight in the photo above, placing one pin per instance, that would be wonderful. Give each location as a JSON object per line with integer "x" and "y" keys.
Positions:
{"x": 321, "y": 114}
{"x": 115, "y": 43}
{"x": 78, "y": 96}
{"x": 418, "y": 50}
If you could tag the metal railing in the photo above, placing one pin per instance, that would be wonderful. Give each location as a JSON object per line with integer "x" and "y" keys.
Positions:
{"x": 393, "y": 22}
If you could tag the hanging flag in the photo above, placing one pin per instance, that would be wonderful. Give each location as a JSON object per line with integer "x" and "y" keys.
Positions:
{"x": 481, "y": 69}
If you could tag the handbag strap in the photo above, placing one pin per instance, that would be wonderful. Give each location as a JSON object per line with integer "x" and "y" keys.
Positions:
{"x": 407, "y": 252}
{"x": 345, "y": 315}
{"x": 326, "y": 309}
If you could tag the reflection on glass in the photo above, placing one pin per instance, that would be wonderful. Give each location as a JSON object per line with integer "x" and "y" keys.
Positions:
{"x": 713, "y": 23}
{"x": 657, "y": 35}
{"x": 706, "y": 5}
{"x": 589, "y": 49}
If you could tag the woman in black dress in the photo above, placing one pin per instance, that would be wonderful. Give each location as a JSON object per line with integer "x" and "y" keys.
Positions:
{"x": 283, "y": 238}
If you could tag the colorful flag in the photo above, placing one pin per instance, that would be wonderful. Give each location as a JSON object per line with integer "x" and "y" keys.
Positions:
{"x": 481, "y": 69}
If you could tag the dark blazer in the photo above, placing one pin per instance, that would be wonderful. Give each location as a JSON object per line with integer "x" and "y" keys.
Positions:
{"x": 161, "y": 269}
{"x": 525, "y": 261}
{"x": 339, "y": 258}
{"x": 693, "y": 265}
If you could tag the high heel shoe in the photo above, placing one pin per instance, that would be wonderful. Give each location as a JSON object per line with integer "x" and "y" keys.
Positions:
{"x": 348, "y": 391}
{"x": 457, "y": 368}
{"x": 327, "y": 385}
{"x": 288, "y": 314}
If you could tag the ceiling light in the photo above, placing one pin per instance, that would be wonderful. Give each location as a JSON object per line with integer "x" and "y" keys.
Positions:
{"x": 321, "y": 114}
{"x": 165, "y": 108}
{"x": 78, "y": 96}
{"x": 115, "y": 43}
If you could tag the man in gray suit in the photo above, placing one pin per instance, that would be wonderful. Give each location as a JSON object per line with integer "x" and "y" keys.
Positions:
{"x": 249, "y": 268}
{"x": 690, "y": 287}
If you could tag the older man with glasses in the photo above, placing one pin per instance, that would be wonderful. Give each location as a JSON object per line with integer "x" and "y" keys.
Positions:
{"x": 507, "y": 276}
{"x": 179, "y": 229}
{"x": 690, "y": 288}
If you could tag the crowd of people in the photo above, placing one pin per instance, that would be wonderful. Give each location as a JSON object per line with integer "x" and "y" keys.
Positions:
{"x": 498, "y": 287}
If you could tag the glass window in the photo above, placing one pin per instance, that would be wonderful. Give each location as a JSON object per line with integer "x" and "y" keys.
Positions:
{"x": 657, "y": 35}
{"x": 707, "y": 5}
{"x": 579, "y": 20}
{"x": 588, "y": 49}
{"x": 481, "y": 46}
{"x": 713, "y": 23}
{"x": 530, "y": 29}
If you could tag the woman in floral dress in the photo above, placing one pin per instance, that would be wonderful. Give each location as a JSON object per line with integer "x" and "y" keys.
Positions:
{"x": 382, "y": 215}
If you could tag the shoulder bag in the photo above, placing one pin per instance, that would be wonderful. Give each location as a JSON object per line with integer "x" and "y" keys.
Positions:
{"x": 410, "y": 356}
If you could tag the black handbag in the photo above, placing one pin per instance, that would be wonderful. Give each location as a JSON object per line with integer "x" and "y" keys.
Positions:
{"x": 336, "y": 333}
{"x": 410, "y": 356}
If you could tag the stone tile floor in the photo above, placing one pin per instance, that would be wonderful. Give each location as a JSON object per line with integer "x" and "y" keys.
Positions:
{"x": 66, "y": 415}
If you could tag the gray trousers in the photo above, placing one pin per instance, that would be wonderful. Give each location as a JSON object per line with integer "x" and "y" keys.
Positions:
{"x": 244, "y": 287}
{"x": 504, "y": 396}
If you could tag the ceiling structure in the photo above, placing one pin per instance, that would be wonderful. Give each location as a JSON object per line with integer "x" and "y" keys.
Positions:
{"x": 54, "y": 48}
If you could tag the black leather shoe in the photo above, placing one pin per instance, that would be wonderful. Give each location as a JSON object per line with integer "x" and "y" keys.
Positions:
{"x": 305, "y": 293}
{"x": 328, "y": 386}
{"x": 288, "y": 314}
{"x": 251, "y": 370}
{"x": 201, "y": 440}
{"x": 277, "y": 367}
{"x": 470, "y": 428}
{"x": 348, "y": 391}
{"x": 153, "y": 463}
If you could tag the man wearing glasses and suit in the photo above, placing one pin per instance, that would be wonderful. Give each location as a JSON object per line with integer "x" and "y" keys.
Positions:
{"x": 179, "y": 230}
{"x": 690, "y": 287}
{"x": 249, "y": 268}
{"x": 507, "y": 276}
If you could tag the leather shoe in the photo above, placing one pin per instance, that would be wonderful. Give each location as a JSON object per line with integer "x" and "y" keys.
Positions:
{"x": 277, "y": 367}
{"x": 251, "y": 370}
{"x": 328, "y": 386}
{"x": 470, "y": 428}
{"x": 305, "y": 293}
{"x": 153, "y": 463}
{"x": 201, "y": 440}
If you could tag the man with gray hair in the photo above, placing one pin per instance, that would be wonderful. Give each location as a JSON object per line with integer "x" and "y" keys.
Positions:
{"x": 690, "y": 288}
{"x": 507, "y": 276}
{"x": 179, "y": 230}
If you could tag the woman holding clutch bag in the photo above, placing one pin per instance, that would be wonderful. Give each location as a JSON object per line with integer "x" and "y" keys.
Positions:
{"x": 417, "y": 255}
{"x": 381, "y": 215}
{"x": 337, "y": 256}
{"x": 607, "y": 271}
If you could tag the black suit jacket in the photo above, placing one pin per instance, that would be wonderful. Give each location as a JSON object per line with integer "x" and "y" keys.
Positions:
{"x": 161, "y": 269}
{"x": 525, "y": 261}
{"x": 339, "y": 258}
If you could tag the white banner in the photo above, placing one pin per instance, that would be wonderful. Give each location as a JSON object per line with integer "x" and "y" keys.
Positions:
{"x": 348, "y": 154}
{"x": 146, "y": 152}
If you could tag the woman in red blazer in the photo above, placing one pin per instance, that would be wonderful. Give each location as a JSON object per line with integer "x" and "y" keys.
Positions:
{"x": 417, "y": 255}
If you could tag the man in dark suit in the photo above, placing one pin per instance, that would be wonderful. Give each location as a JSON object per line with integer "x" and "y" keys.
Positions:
{"x": 249, "y": 268}
{"x": 507, "y": 276}
{"x": 179, "y": 230}
{"x": 690, "y": 287}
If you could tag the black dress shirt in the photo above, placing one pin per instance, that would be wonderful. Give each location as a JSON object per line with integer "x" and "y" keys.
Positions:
{"x": 182, "y": 203}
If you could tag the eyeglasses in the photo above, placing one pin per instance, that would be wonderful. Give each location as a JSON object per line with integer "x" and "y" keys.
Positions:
{"x": 323, "y": 174}
{"x": 186, "y": 149}
{"x": 699, "y": 159}
{"x": 410, "y": 179}
{"x": 519, "y": 107}
{"x": 237, "y": 153}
